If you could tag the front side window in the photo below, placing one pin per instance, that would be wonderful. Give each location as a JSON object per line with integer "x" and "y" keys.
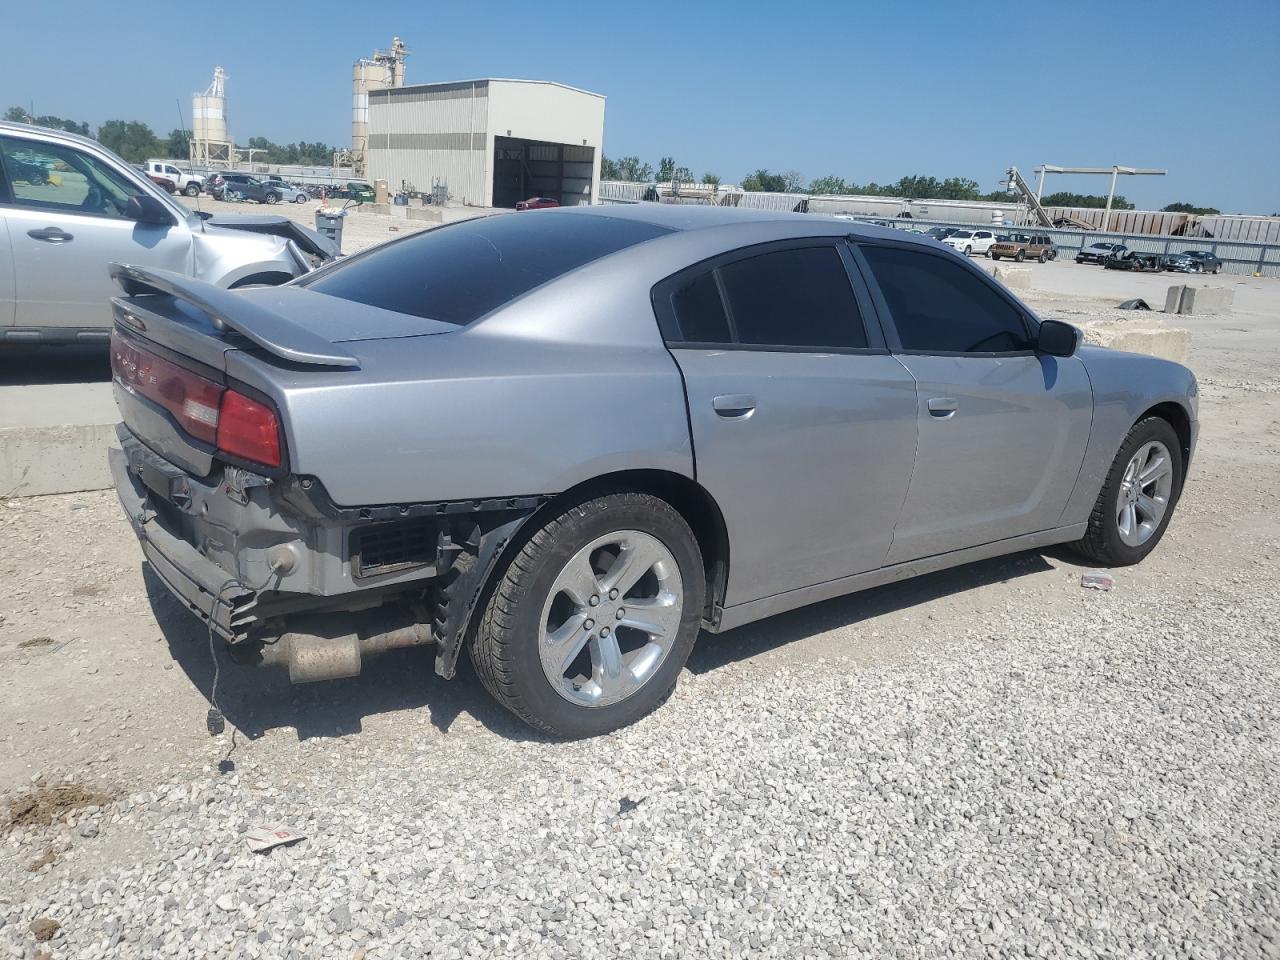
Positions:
{"x": 939, "y": 306}
{"x": 55, "y": 177}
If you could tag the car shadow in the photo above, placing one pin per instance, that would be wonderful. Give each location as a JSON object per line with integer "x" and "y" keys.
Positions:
{"x": 714, "y": 651}
{"x": 256, "y": 700}
{"x": 78, "y": 363}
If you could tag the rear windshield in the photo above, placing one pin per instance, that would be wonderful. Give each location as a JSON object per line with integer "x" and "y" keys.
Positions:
{"x": 461, "y": 272}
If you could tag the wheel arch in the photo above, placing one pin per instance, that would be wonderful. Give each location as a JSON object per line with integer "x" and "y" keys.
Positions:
{"x": 689, "y": 498}
{"x": 1177, "y": 417}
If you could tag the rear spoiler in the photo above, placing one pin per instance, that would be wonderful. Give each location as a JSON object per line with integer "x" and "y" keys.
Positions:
{"x": 226, "y": 308}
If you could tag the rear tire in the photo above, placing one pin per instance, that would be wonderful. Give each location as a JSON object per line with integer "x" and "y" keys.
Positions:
{"x": 1044, "y": 257}
{"x": 1106, "y": 540}
{"x": 538, "y": 648}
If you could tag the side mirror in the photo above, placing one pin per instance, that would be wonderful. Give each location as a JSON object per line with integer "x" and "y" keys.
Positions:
{"x": 1058, "y": 339}
{"x": 143, "y": 208}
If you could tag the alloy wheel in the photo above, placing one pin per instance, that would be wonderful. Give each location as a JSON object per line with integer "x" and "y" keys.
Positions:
{"x": 1145, "y": 490}
{"x": 610, "y": 618}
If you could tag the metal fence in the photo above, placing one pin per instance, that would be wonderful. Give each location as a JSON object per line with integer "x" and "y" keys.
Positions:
{"x": 1238, "y": 257}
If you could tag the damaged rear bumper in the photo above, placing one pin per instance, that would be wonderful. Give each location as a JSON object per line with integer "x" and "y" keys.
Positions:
{"x": 288, "y": 578}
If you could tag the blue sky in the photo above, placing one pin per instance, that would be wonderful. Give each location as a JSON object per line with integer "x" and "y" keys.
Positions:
{"x": 866, "y": 91}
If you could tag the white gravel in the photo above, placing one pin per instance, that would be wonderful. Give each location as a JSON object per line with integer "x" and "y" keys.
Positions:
{"x": 1099, "y": 786}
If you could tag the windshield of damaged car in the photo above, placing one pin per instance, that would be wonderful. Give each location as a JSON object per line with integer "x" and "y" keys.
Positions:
{"x": 461, "y": 272}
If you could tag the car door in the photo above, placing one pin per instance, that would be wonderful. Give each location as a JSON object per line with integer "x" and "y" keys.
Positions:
{"x": 1002, "y": 429}
{"x": 982, "y": 241}
{"x": 803, "y": 425}
{"x": 8, "y": 296}
{"x": 66, "y": 222}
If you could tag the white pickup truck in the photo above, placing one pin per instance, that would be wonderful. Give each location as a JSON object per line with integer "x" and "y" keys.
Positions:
{"x": 167, "y": 174}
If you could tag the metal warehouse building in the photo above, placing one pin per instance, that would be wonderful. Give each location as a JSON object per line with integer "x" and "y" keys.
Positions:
{"x": 493, "y": 142}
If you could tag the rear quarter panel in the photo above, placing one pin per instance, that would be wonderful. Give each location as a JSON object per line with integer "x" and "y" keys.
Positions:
{"x": 1125, "y": 385}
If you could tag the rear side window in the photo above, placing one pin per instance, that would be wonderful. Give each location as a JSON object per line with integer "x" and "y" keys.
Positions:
{"x": 459, "y": 273}
{"x": 797, "y": 298}
{"x": 941, "y": 307}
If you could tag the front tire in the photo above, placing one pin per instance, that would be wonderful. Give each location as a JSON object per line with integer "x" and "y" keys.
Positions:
{"x": 191, "y": 190}
{"x": 591, "y": 622}
{"x": 1138, "y": 498}
{"x": 1020, "y": 256}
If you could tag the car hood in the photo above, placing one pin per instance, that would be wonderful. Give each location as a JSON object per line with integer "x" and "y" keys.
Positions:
{"x": 310, "y": 241}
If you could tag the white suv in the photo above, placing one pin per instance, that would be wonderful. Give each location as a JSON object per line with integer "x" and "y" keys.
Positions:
{"x": 970, "y": 242}
{"x": 69, "y": 208}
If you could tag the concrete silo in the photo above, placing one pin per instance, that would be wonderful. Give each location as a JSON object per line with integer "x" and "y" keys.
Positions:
{"x": 381, "y": 71}
{"x": 210, "y": 141}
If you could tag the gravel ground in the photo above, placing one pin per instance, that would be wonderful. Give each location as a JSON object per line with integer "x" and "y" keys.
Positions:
{"x": 988, "y": 762}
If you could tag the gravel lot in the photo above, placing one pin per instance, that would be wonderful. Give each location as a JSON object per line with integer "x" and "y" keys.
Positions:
{"x": 985, "y": 762}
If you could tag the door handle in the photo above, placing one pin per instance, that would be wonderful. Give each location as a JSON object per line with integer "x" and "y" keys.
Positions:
{"x": 943, "y": 408}
{"x": 734, "y": 406}
{"x": 50, "y": 235}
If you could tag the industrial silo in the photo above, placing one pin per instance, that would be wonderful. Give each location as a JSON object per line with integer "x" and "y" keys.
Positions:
{"x": 210, "y": 141}
{"x": 382, "y": 70}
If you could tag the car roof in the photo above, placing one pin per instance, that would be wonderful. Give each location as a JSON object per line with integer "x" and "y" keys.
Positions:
{"x": 691, "y": 217}
{"x": 49, "y": 133}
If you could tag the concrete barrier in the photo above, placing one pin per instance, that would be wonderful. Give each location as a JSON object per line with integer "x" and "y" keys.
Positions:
{"x": 54, "y": 438}
{"x": 1186, "y": 299}
{"x": 1015, "y": 278}
{"x": 1143, "y": 334}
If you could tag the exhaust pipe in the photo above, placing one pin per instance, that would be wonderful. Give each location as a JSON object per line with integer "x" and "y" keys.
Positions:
{"x": 333, "y": 646}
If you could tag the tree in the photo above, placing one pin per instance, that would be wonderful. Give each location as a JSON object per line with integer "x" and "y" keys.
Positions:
{"x": 133, "y": 140}
{"x": 711, "y": 179}
{"x": 19, "y": 115}
{"x": 1064, "y": 199}
{"x": 764, "y": 181}
{"x": 1188, "y": 208}
{"x": 666, "y": 170}
{"x": 682, "y": 175}
{"x": 829, "y": 184}
{"x": 609, "y": 169}
{"x": 178, "y": 146}
{"x": 792, "y": 181}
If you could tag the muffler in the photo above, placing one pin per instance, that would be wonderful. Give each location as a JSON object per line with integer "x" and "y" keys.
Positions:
{"x": 333, "y": 646}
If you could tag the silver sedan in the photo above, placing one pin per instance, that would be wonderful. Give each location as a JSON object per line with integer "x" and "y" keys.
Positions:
{"x": 568, "y": 442}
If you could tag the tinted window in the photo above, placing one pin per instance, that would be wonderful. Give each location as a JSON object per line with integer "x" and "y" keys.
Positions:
{"x": 461, "y": 272}
{"x": 700, "y": 312}
{"x": 796, "y": 298}
{"x": 941, "y": 307}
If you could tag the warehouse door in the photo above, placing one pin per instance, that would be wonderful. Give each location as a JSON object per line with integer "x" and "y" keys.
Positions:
{"x": 536, "y": 168}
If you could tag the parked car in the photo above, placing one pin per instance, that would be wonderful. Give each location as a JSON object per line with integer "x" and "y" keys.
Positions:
{"x": 941, "y": 233}
{"x": 1122, "y": 258}
{"x": 970, "y": 241}
{"x": 242, "y": 186}
{"x": 1193, "y": 261}
{"x": 173, "y": 178}
{"x": 1020, "y": 246}
{"x": 288, "y": 192}
{"x": 1097, "y": 252}
{"x": 537, "y": 203}
{"x": 62, "y": 226}
{"x": 389, "y": 452}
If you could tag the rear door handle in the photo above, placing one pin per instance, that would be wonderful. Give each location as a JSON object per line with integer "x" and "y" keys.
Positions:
{"x": 50, "y": 235}
{"x": 734, "y": 406}
{"x": 943, "y": 407}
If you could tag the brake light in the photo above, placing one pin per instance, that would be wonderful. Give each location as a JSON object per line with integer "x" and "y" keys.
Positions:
{"x": 248, "y": 429}
{"x": 189, "y": 397}
{"x": 203, "y": 408}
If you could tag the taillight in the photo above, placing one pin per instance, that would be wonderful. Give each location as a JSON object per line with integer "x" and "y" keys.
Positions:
{"x": 205, "y": 409}
{"x": 248, "y": 429}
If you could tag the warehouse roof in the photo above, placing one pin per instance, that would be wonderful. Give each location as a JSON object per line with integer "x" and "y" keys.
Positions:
{"x": 463, "y": 83}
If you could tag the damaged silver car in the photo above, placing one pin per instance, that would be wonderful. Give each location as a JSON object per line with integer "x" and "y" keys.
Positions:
{"x": 565, "y": 441}
{"x": 69, "y": 207}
